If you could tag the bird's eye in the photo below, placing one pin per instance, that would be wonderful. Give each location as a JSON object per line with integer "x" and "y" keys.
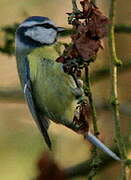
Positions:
{"x": 47, "y": 26}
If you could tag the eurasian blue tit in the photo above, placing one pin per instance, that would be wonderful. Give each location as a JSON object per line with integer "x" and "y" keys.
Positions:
{"x": 51, "y": 94}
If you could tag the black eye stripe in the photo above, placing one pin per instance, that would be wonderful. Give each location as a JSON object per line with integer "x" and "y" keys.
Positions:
{"x": 47, "y": 26}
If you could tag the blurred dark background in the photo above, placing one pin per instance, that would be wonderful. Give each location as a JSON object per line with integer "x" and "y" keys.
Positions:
{"x": 20, "y": 140}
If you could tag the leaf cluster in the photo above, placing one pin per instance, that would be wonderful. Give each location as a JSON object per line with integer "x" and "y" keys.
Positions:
{"x": 8, "y": 46}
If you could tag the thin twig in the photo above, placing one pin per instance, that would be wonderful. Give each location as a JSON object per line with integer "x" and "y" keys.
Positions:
{"x": 94, "y": 1}
{"x": 119, "y": 28}
{"x": 114, "y": 62}
{"x": 14, "y": 94}
{"x": 89, "y": 94}
{"x": 122, "y": 28}
{"x": 84, "y": 168}
{"x": 74, "y": 5}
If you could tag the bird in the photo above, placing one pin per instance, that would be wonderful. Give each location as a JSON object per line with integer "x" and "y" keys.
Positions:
{"x": 51, "y": 93}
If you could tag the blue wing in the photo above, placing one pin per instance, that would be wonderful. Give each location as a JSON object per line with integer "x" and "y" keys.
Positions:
{"x": 42, "y": 122}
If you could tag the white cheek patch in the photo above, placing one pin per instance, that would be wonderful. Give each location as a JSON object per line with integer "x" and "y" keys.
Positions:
{"x": 41, "y": 34}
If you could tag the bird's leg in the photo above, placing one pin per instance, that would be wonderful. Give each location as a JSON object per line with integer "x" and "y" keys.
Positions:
{"x": 71, "y": 68}
{"x": 81, "y": 117}
{"x": 81, "y": 126}
{"x": 75, "y": 79}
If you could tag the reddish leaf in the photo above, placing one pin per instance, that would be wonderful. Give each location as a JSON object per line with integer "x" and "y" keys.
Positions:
{"x": 49, "y": 170}
{"x": 86, "y": 47}
{"x": 85, "y": 5}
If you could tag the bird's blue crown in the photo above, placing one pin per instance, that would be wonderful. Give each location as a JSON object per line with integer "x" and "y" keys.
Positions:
{"x": 36, "y": 18}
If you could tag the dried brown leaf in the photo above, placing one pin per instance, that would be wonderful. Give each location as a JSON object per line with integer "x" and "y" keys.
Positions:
{"x": 86, "y": 6}
{"x": 86, "y": 47}
{"x": 48, "y": 169}
{"x": 98, "y": 23}
{"x": 90, "y": 27}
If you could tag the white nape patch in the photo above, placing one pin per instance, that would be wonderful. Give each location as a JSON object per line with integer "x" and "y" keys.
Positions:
{"x": 41, "y": 34}
{"x": 31, "y": 23}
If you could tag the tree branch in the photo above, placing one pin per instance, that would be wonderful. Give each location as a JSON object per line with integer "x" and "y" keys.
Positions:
{"x": 103, "y": 73}
{"x": 119, "y": 28}
{"x": 122, "y": 28}
{"x": 15, "y": 95}
{"x": 11, "y": 95}
{"x": 114, "y": 62}
{"x": 74, "y": 5}
{"x": 88, "y": 93}
{"x": 84, "y": 168}
{"x": 9, "y": 30}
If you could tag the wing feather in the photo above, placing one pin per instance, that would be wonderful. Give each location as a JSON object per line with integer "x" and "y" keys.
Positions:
{"x": 42, "y": 122}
